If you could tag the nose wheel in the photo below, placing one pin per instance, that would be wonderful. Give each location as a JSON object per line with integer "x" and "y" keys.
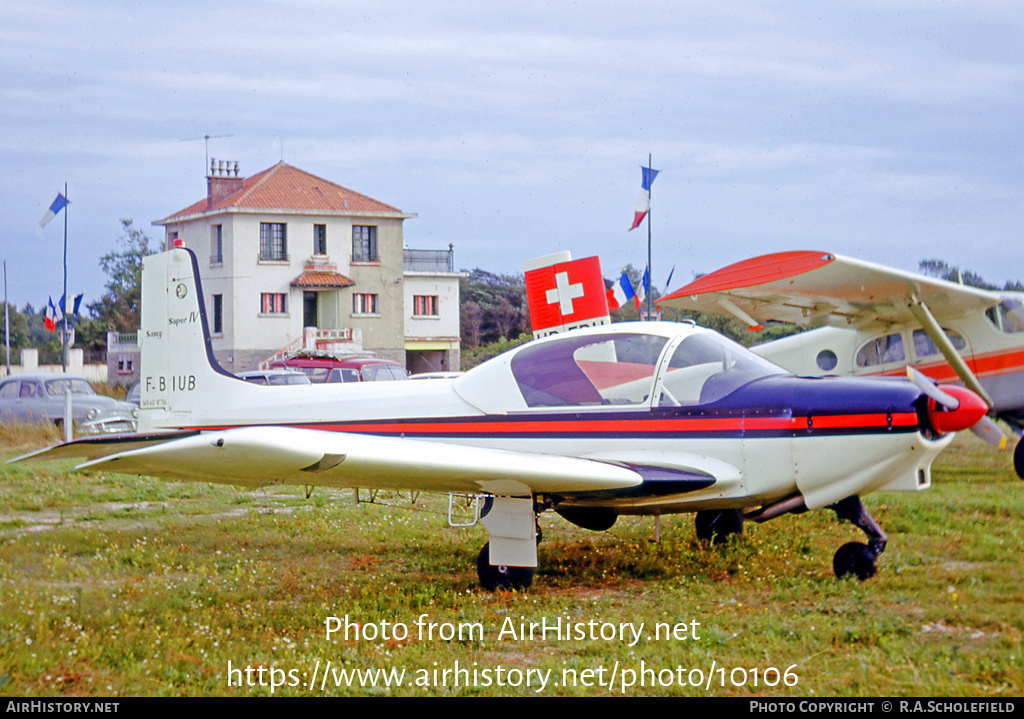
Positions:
{"x": 856, "y": 558}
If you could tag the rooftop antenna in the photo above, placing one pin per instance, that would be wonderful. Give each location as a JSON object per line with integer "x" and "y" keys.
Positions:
{"x": 207, "y": 138}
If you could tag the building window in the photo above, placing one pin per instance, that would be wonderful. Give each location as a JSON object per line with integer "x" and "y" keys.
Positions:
{"x": 319, "y": 239}
{"x": 218, "y": 314}
{"x": 216, "y": 244}
{"x": 273, "y": 241}
{"x": 273, "y": 303}
{"x": 364, "y": 243}
{"x": 425, "y": 306}
{"x": 364, "y": 304}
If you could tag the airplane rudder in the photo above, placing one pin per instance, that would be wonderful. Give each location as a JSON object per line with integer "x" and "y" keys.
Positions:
{"x": 177, "y": 357}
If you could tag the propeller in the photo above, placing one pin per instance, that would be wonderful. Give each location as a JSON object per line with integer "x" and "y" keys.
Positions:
{"x": 932, "y": 390}
{"x": 986, "y": 428}
{"x": 952, "y": 408}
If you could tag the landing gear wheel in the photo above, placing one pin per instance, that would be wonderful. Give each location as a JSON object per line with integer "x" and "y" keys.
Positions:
{"x": 855, "y": 558}
{"x": 494, "y": 577}
{"x": 716, "y": 526}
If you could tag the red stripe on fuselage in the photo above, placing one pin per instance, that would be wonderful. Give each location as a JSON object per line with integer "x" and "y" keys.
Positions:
{"x": 990, "y": 364}
{"x": 553, "y": 427}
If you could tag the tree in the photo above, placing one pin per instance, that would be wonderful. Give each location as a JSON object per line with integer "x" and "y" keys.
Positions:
{"x": 493, "y": 307}
{"x": 119, "y": 309}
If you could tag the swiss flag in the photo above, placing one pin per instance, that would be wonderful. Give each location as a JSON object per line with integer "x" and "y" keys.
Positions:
{"x": 566, "y": 294}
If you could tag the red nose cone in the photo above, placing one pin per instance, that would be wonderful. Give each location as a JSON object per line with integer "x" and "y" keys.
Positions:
{"x": 972, "y": 408}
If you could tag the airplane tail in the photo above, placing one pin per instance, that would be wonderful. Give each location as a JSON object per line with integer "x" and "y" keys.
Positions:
{"x": 178, "y": 370}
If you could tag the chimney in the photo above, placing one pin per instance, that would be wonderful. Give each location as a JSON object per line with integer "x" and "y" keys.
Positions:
{"x": 223, "y": 181}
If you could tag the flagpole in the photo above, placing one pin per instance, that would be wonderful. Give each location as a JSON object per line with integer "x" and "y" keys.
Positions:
{"x": 7, "y": 323}
{"x": 650, "y": 272}
{"x": 64, "y": 334}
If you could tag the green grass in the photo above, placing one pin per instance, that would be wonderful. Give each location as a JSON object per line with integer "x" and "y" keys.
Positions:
{"x": 117, "y": 585}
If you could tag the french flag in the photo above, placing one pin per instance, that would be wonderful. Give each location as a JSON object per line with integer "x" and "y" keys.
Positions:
{"x": 620, "y": 293}
{"x": 52, "y": 316}
{"x": 643, "y": 203}
{"x": 645, "y": 287}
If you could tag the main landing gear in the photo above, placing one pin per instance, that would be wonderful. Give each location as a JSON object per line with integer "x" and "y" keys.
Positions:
{"x": 509, "y": 559}
{"x": 501, "y": 576}
{"x": 717, "y": 525}
{"x": 857, "y": 558}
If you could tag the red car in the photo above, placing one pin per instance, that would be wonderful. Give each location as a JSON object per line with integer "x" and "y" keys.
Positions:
{"x": 353, "y": 369}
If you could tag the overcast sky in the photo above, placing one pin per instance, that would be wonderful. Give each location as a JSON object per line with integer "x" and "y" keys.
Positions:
{"x": 889, "y": 131}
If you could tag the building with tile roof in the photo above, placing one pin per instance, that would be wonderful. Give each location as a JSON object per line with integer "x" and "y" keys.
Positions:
{"x": 285, "y": 250}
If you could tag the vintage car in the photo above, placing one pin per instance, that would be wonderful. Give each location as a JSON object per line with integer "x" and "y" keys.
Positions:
{"x": 351, "y": 369}
{"x": 39, "y": 397}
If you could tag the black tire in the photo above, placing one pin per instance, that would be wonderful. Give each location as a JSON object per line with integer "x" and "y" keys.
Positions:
{"x": 717, "y": 525}
{"x": 501, "y": 577}
{"x": 855, "y": 558}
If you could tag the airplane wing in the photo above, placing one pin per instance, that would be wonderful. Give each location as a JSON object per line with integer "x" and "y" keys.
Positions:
{"x": 813, "y": 289}
{"x": 265, "y": 455}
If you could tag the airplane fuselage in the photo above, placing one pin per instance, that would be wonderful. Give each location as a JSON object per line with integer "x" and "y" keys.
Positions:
{"x": 991, "y": 343}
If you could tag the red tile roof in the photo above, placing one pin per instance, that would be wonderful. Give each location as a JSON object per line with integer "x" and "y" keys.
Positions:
{"x": 322, "y": 279}
{"x": 283, "y": 187}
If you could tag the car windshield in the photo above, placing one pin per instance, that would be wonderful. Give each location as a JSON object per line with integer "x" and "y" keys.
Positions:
{"x": 382, "y": 373}
{"x": 290, "y": 378}
{"x": 57, "y": 387}
{"x": 315, "y": 374}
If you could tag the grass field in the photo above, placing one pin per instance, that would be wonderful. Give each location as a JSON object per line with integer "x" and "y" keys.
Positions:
{"x": 114, "y": 585}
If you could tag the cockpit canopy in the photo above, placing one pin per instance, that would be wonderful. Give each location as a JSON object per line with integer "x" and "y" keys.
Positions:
{"x": 628, "y": 365}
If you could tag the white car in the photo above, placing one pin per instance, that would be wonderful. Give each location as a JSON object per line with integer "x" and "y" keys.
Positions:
{"x": 39, "y": 397}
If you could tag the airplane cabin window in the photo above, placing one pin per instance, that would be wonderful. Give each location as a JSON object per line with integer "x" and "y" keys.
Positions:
{"x": 924, "y": 347}
{"x": 881, "y": 350}
{"x": 827, "y": 360}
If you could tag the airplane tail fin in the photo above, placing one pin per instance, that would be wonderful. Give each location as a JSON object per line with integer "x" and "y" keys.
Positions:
{"x": 180, "y": 374}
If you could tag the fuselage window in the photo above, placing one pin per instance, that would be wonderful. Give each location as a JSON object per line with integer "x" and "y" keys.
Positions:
{"x": 924, "y": 347}
{"x": 881, "y": 350}
{"x": 827, "y": 360}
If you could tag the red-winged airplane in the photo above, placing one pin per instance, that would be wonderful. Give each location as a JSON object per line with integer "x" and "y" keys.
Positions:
{"x": 871, "y": 320}
{"x": 629, "y": 419}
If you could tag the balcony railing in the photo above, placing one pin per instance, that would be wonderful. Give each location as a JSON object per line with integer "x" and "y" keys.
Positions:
{"x": 429, "y": 260}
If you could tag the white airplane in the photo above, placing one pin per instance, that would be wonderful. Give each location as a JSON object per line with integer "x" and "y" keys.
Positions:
{"x": 872, "y": 320}
{"x": 630, "y": 419}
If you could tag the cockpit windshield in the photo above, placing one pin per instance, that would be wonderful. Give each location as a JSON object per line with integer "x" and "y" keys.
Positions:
{"x": 706, "y": 367}
{"x": 1008, "y": 315}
